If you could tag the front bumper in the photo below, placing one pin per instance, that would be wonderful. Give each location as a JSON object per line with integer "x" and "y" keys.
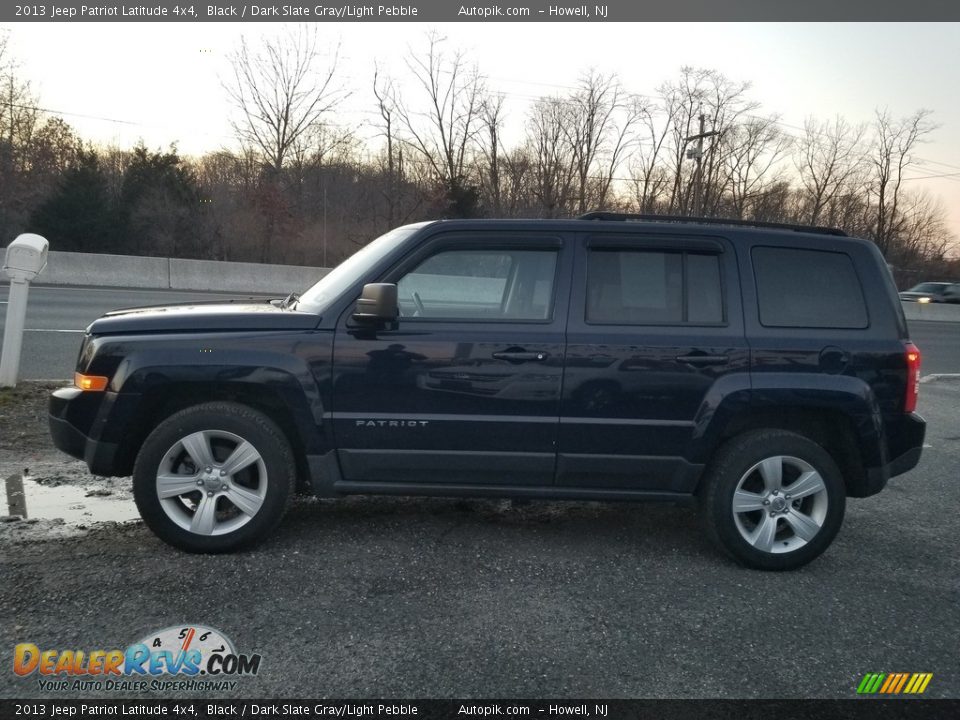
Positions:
{"x": 71, "y": 414}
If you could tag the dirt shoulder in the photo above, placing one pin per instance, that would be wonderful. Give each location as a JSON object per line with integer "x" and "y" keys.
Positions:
{"x": 23, "y": 420}
{"x": 45, "y": 494}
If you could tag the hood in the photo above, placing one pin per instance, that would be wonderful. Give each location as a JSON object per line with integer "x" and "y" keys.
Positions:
{"x": 202, "y": 317}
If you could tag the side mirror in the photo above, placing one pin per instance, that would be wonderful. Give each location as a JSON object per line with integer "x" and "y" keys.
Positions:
{"x": 377, "y": 306}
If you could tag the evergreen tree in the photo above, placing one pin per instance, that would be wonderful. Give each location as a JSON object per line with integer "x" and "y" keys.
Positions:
{"x": 78, "y": 216}
{"x": 158, "y": 206}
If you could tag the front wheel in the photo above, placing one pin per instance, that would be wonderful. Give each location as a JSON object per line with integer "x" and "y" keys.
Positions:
{"x": 773, "y": 500}
{"x": 214, "y": 477}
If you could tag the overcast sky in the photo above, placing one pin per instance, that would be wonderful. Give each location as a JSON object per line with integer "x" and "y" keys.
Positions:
{"x": 162, "y": 79}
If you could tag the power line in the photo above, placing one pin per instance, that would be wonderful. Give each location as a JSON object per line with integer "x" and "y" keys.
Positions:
{"x": 955, "y": 175}
{"x": 117, "y": 121}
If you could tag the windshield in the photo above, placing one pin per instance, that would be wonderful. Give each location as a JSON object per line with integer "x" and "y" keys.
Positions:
{"x": 334, "y": 283}
{"x": 929, "y": 287}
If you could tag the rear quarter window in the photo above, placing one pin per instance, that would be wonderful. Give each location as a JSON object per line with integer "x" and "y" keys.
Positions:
{"x": 808, "y": 289}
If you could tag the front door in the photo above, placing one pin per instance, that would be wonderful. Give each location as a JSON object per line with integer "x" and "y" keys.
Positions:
{"x": 466, "y": 390}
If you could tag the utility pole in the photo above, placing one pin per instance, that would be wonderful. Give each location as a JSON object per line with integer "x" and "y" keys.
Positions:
{"x": 697, "y": 155}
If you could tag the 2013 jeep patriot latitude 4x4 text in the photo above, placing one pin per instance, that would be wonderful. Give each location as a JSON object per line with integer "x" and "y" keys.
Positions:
{"x": 764, "y": 370}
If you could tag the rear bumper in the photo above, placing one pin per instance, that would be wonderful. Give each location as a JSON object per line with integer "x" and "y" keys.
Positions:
{"x": 62, "y": 414}
{"x": 906, "y": 453}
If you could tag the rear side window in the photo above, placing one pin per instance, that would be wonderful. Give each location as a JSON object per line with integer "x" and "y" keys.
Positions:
{"x": 643, "y": 287}
{"x": 808, "y": 288}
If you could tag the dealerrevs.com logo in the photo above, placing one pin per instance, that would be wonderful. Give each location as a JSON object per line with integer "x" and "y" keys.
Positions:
{"x": 185, "y": 657}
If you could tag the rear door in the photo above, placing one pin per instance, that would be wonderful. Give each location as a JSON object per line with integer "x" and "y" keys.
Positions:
{"x": 655, "y": 327}
{"x": 466, "y": 391}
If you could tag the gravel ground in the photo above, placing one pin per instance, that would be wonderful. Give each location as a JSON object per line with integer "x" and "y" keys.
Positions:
{"x": 26, "y": 452}
{"x": 391, "y": 597}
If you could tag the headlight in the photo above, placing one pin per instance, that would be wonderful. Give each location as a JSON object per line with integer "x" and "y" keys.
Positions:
{"x": 923, "y": 300}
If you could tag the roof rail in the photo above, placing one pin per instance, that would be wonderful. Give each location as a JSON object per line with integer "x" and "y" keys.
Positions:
{"x": 603, "y": 215}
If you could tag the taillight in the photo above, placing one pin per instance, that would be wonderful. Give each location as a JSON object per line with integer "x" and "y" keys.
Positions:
{"x": 913, "y": 377}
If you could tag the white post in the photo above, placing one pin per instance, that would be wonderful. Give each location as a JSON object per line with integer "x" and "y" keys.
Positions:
{"x": 13, "y": 333}
{"x": 25, "y": 258}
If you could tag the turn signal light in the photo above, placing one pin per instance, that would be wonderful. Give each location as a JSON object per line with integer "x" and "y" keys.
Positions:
{"x": 94, "y": 383}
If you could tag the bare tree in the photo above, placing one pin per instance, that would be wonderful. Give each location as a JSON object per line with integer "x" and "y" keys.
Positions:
{"x": 385, "y": 92}
{"x": 754, "y": 149}
{"x": 829, "y": 158}
{"x": 724, "y": 103}
{"x": 20, "y": 121}
{"x": 924, "y": 236}
{"x": 892, "y": 154}
{"x": 444, "y": 134}
{"x": 282, "y": 90}
{"x": 517, "y": 192}
{"x": 554, "y": 164}
{"x": 648, "y": 176}
{"x": 492, "y": 117}
{"x": 601, "y": 133}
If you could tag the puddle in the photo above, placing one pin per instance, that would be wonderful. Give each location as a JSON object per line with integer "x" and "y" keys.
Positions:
{"x": 73, "y": 504}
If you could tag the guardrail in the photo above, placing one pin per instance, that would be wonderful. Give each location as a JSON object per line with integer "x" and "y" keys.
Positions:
{"x": 102, "y": 270}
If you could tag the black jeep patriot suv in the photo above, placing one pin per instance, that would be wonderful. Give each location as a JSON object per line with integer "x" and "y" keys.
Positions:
{"x": 762, "y": 370}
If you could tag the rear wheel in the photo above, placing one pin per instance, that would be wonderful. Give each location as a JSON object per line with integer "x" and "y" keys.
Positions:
{"x": 773, "y": 500}
{"x": 214, "y": 477}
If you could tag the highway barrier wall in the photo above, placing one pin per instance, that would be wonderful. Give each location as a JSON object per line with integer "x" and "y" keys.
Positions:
{"x": 129, "y": 271}
{"x": 931, "y": 311}
{"x": 94, "y": 269}
{"x": 101, "y": 270}
{"x": 241, "y": 277}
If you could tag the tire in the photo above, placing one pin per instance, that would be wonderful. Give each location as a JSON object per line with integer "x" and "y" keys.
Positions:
{"x": 771, "y": 527}
{"x": 223, "y": 451}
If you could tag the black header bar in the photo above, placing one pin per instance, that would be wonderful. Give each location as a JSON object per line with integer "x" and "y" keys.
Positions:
{"x": 505, "y": 11}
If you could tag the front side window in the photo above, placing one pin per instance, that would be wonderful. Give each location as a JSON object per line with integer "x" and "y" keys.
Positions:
{"x": 325, "y": 292}
{"x": 645, "y": 287}
{"x": 504, "y": 285}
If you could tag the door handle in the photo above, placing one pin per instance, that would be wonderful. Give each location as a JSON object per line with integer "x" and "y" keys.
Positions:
{"x": 695, "y": 359}
{"x": 518, "y": 356}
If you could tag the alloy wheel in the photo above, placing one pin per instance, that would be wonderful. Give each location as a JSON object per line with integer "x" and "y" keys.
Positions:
{"x": 780, "y": 504}
{"x": 211, "y": 482}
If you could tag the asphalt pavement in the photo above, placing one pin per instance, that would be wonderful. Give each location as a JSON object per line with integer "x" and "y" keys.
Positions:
{"x": 57, "y": 315}
{"x": 390, "y": 597}
{"x": 394, "y": 597}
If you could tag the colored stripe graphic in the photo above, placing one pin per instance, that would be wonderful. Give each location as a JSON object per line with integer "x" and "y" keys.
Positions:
{"x": 903, "y": 680}
{"x": 894, "y": 683}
